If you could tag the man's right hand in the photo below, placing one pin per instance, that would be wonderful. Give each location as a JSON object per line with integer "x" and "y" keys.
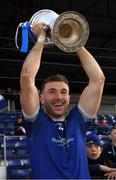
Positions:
{"x": 38, "y": 30}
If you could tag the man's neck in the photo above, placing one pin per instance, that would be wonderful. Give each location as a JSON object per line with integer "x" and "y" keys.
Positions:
{"x": 58, "y": 119}
{"x": 61, "y": 118}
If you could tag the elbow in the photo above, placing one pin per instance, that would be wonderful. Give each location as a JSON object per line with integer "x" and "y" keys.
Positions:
{"x": 25, "y": 78}
{"x": 101, "y": 79}
{"x": 100, "y": 83}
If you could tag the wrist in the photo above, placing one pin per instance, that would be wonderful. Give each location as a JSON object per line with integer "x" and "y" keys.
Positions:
{"x": 41, "y": 39}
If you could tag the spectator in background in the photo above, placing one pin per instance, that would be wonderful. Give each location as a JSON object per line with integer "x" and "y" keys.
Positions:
{"x": 18, "y": 126}
{"x": 103, "y": 121}
{"x": 109, "y": 152}
{"x": 112, "y": 120}
{"x": 97, "y": 165}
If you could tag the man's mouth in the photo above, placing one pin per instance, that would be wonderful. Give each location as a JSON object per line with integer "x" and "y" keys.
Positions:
{"x": 58, "y": 104}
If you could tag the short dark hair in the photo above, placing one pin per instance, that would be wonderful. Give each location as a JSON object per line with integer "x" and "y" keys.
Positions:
{"x": 56, "y": 77}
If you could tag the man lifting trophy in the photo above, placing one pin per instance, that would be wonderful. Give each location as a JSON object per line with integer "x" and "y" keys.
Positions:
{"x": 56, "y": 131}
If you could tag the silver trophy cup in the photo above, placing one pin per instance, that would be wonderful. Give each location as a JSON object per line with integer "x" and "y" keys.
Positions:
{"x": 68, "y": 31}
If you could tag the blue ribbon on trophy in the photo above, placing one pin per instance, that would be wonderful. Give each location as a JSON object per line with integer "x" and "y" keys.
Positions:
{"x": 25, "y": 38}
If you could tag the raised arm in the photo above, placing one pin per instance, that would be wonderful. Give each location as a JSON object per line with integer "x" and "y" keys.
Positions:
{"x": 29, "y": 97}
{"x": 91, "y": 96}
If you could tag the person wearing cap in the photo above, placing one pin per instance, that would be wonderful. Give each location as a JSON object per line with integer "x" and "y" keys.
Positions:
{"x": 97, "y": 167}
{"x": 18, "y": 126}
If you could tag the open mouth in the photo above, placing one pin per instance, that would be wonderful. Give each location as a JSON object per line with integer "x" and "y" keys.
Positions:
{"x": 58, "y": 105}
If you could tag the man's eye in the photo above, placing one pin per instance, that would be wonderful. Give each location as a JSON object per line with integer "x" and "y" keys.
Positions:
{"x": 52, "y": 92}
{"x": 64, "y": 92}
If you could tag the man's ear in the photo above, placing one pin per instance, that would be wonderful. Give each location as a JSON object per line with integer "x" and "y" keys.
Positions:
{"x": 41, "y": 99}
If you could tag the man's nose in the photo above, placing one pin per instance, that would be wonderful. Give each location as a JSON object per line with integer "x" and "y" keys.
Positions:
{"x": 59, "y": 95}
